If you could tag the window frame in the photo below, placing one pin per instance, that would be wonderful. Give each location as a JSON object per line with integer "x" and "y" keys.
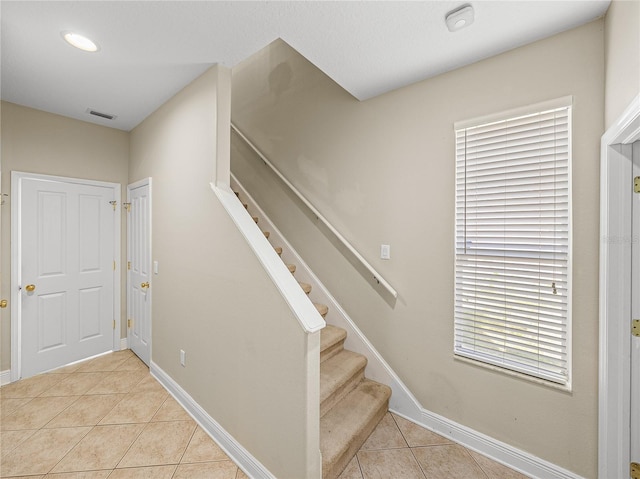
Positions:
{"x": 477, "y": 359}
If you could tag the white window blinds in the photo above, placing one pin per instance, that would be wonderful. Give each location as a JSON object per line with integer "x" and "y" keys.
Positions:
{"x": 513, "y": 243}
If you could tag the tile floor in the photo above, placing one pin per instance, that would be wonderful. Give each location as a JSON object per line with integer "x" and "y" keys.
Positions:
{"x": 109, "y": 418}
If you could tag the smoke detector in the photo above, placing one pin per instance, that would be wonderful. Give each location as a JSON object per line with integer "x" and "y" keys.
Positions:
{"x": 459, "y": 18}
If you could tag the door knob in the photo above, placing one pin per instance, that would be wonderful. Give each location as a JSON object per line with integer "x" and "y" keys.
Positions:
{"x": 30, "y": 287}
{"x": 3, "y": 303}
{"x": 144, "y": 285}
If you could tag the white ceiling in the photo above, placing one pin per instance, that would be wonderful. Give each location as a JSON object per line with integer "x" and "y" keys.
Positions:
{"x": 152, "y": 49}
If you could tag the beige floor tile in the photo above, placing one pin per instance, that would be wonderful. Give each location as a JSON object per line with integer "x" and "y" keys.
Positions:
{"x": 71, "y": 368}
{"x": 202, "y": 448}
{"x": 9, "y": 440}
{"x": 75, "y": 384}
{"x": 86, "y": 411}
{"x": 24, "y": 477}
{"x": 133, "y": 364}
{"x": 31, "y": 387}
{"x": 154, "y": 472}
{"x": 101, "y": 448}
{"x": 118, "y": 382}
{"x": 160, "y": 443}
{"x": 36, "y": 413}
{"x": 241, "y": 475}
{"x": 207, "y": 470}
{"x": 8, "y": 405}
{"x": 418, "y": 436}
{"x": 135, "y": 408}
{"x": 80, "y": 475}
{"x": 352, "y": 471}
{"x": 447, "y": 461}
{"x": 494, "y": 469}
{"x": 148, "y": 384}
{"x": 106, "y": 362}
{"x": 171, "y": 410}
{"x": 389, "y": 463}
{"x": 43, "y": 450}
{"x": 386, "y": 435}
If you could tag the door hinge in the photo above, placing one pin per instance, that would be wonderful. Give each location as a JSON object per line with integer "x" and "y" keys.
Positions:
{"x": 635, "y": 327}
{"x": 636, "y": 184}
{"x": 129, "y": 323}
{"x": 127, "y": 206}
{"x": 114, "y": 265}
{"x": 113, "y": 203}
{"x": 114, "y": 324}
{"x": 128, "y": 265}
{"x": 634, "y": 470}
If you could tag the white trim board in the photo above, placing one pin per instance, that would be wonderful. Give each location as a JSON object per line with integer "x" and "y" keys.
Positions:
{"x": 498, "y": 451}
{"x": 249, "y": 464}
{"x": 5, "y": 377}
{"x": 616, "y": 178}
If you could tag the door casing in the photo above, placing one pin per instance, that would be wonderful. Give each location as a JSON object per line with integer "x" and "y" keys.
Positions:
{"x": 616, "y": 182}
{"x": 16, "y": 267}
{"x": 133, "y": 186}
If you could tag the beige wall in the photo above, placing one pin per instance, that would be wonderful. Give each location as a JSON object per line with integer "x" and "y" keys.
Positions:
{"x": 382, "y": 171}
{"x": 37, "y": 142}
{"x": 622, "y": 57}
{"x": 245, "y": 350}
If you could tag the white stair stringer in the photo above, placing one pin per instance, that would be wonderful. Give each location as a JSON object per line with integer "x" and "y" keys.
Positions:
{"x": 402, "y": 400}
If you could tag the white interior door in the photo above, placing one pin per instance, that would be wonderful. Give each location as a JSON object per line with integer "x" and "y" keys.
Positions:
{"x": 139, "y": 268}
{"x": 66, "y": 258}
{"x": 635, "y": 312}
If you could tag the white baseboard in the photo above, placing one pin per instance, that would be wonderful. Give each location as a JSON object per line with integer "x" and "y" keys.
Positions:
{"x": 249, "y": 464}
{"x": 124, "y": 344}
{"x": 505, "y": 454}
{"x": 5, "y": 377}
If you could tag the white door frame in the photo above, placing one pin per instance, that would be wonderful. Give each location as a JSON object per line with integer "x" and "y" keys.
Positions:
{"x": 616, "y": 182}
{"x": 16, "y": 266}
{"x": 137, "y": 184}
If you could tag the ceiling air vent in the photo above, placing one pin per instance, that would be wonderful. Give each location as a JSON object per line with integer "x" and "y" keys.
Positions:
{"x": 106, "y": 116}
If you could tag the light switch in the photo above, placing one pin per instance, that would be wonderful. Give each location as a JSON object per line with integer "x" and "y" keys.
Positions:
{"x": 385, "y": 251}
{"x": 155, "y": 267}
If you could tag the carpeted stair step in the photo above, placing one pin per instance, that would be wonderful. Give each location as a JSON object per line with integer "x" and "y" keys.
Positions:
{"x": 292, "y": 268}
{"x": 323, "y": 309}
{"x": 306, "y": 287}
{"x": 331, "y": 341}
{"x": 346, "y": 426}
{"x": 339, "y": 375}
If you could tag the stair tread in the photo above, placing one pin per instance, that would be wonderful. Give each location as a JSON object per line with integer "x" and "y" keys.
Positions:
{"x": 292, "y": 268}
{"x": 255, "y": 218}
{"x": 349, "y": 423}
{"x": 266, "y": 234}
{"x": 278, "y": 250}
{"x": 331, "y": 335}
{"x": 323, "y": 309}
{"x": 306, "y": 287}
{"x": 337, "y": 370}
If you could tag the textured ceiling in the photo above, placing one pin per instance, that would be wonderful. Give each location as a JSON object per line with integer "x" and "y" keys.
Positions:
{"x": 152, "y": 49}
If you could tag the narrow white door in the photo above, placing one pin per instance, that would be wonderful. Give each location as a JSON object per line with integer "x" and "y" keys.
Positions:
{"x": 66, "y": 264}
{"x": 139, "y": 268}
{"x": 635, "y": 312}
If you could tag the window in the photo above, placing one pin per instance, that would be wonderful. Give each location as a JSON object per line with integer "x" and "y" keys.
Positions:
{"x": 513, "y": 240}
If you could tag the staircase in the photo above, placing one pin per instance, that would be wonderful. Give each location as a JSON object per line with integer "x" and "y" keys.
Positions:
{"x": 350, "y": 404}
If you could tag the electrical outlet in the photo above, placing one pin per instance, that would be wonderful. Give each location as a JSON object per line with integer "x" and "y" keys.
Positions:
{"x": 183, "y": 358}
{"x": 385, "y": 251}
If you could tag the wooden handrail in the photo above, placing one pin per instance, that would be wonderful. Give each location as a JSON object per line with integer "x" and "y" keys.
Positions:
{"x": 376, "y": 276}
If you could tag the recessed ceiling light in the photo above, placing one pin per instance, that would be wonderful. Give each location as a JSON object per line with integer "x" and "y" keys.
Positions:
{"x": 459, "y": 18}
{"x": 80, "y": 41}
